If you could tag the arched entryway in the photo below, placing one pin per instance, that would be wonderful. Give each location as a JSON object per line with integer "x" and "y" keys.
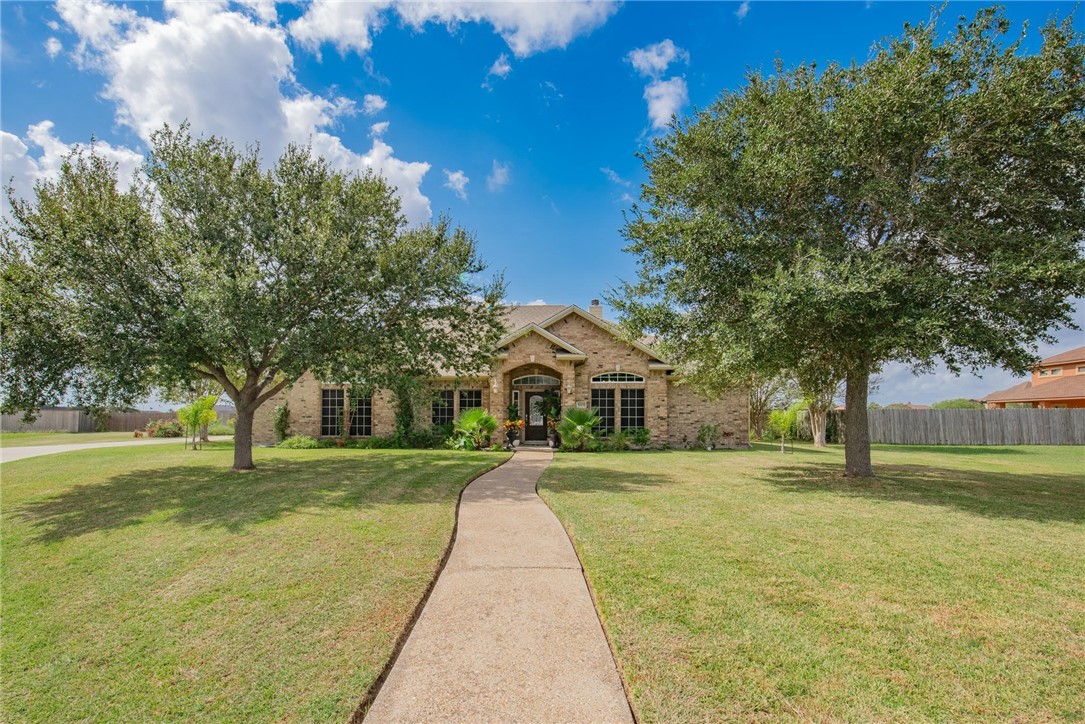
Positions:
{"x": 530, "y": 386}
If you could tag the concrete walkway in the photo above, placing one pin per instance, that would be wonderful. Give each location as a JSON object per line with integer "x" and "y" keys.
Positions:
{"x": 11, "y": 454}
{"x": 510, "y": 632}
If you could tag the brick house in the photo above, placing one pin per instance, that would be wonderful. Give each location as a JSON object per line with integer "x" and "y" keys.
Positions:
{"x": 563, "y": 349}
{"x": 1058, "y": 381}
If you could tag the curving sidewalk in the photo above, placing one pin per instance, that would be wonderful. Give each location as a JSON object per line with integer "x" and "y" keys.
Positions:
{"x": 510, "y": 632}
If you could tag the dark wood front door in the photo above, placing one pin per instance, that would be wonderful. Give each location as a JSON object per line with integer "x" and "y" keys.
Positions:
{"x": 535, "y": 425}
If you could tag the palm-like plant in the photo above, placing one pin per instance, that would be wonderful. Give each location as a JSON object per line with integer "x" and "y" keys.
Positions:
{"x": 477, "y": 425}
{"x": 578, "y": 426}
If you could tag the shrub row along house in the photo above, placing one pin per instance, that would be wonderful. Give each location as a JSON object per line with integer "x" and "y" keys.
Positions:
{"x": 563, "y": 350}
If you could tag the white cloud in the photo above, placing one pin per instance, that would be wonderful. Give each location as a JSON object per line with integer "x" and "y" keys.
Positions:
{"x": 743, "y": 9}
{"x": 665, "y": 98}
{"x": 227, "y": 74}
{"x": 23, "y": 168}
{"x": 347, "y": 25}
{"x": 53, "y": 25}
{"x": 457, "y": 181}
{"x": 536, "y": 303}
{"x": 501, "y": 67}
{"x": 263, "y": 10}
{"x": 653, "y": 60}
{"x": 53, "y": 47}
{"x": 373, "y": 104}
{"x": 614, "y": 177}
{"x": 527, "y": 27}
{"x": 500, "y": 175}
{"x": 378, "y": 129}
{"x": 97, "y": 24}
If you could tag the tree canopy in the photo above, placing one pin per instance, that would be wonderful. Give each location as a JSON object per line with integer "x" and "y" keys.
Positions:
{"x": 210, "y": 266}
{"x": 925, "y": 205}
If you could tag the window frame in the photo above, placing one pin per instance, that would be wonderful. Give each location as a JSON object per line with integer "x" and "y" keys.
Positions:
{"x": 606, "y": 421}
{"x": 637, "y": 394}
{"x": 537, "y": 381}
{"x": 617, "y": 377}
{"x": 439, "y": 403}
{"x": 329, "y": 412}
{"x": 472, "y": 393}
{"x": 361, "y": 417}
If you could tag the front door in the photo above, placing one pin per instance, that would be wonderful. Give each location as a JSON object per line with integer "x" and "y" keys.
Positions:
{"x": 535, "y": 428}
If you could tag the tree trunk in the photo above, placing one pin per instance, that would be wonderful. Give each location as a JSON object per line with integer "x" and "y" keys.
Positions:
{"x": 857, "y": 440}
{"x": 817, "y": 426}
{"x": 757, "y": 422}
{"x": 204, "y": 437}
{"x": 243, "y": 438}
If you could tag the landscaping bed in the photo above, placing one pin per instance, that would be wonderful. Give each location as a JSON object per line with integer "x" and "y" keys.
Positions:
{"x": 151, "y": 583}
{"x": 744, "y": 585}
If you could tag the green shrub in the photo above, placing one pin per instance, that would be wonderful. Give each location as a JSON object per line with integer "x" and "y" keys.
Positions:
{"x": 957, "y": 403}
{"x": 165, "y": 428}
{"x": 577, "y": 428}
{"x": 708, "y": 435}
{"x": 280, "y": 420}
{"x": 220, "y": 428}
{"x": 472, "y": 430}
{"x": 616, "y": 441}
{"x": 300, "y": 442}
{"x": 640, "y": 436}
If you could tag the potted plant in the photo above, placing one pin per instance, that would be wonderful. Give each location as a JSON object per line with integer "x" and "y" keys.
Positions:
{"x": 550, "y": 408}
{"x": 512, "y": 431}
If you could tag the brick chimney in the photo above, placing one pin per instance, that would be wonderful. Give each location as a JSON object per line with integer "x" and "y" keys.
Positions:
{"x": 596, "y": 309}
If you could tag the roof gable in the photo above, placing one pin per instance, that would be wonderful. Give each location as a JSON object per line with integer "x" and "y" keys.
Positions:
{"x": 603, "y": 324}
{"x": 570, "y": 350}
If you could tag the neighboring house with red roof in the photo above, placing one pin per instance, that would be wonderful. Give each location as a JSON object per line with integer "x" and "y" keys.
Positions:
{"x": 1058, "y": 381}
{"x": 563, "y": 350}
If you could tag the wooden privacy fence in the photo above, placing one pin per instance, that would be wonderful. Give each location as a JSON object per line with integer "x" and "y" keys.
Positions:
{"x": 1022, "y": 426}
{"x": 68, "y": 420}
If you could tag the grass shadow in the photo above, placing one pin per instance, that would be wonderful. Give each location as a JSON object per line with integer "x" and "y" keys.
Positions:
{"x": 1027, "y": 496}
{"x": 1022, "y": 495}
{"x": 206, "y": 494}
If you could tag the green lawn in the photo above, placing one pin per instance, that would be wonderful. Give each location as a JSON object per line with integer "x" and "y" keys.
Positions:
{"x": 19, "y": 439}
{"x": 151, "y": 583}
{"x": 747, "y": 585}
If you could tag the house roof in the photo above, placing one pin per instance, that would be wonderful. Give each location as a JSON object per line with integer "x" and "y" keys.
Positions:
{"x": 1077, "y": 354}
{"x": 1070, "y": 387}
{"x": 521, "y": 315}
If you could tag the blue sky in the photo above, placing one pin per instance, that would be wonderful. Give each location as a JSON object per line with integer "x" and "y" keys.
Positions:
{"x": 519, "y": 120}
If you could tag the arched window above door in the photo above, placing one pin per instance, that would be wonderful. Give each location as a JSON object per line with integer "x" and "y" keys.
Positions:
{"x": 537, "y": 381}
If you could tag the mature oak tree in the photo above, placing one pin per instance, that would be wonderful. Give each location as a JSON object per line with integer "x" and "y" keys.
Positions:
{"x": 211, "y": 267}
{"x": 924, "y": 205}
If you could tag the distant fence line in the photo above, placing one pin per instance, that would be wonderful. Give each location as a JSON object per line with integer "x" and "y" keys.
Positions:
{"x": 78, "y": 421}
{"x": 1022, "y": 426}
